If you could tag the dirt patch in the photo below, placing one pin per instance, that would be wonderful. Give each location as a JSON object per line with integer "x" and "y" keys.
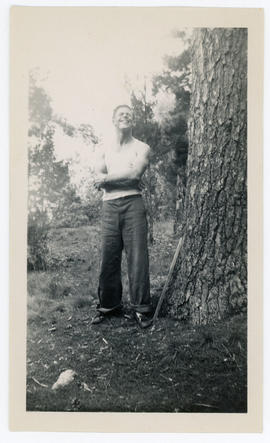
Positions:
{"x": 171, "y": 367}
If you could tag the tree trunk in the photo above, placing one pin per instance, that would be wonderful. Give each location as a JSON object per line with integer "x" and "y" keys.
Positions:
{"x": 180, "y": 195}
{"x": 150, "y": 230}
{"x": 149, "y": 202}
{"x": 177, "y": 205}
{"x": 210, "y": 277}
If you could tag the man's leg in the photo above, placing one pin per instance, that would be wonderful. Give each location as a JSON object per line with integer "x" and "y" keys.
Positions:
{"x": 110, "y": 286}
{"x": 134, "y": 225}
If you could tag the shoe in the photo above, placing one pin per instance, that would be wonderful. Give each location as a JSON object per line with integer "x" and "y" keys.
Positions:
{"x": 129, "y": 315}
{"x": 143, "y": 320}
{"x": 101, "y": 316}
{"x": 98, "y": 318}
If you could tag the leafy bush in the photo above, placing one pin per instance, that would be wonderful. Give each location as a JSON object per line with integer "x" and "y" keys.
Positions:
{"x": 37, "y": 242}
{"x": 77, "y": 214}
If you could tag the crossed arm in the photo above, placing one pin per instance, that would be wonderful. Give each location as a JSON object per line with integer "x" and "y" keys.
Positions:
{"x": 125, "y": 179}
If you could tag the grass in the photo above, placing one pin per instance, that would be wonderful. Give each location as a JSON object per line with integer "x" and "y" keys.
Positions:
{"x": 172, "y": 367}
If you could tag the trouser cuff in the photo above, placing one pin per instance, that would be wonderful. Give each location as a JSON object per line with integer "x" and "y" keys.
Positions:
{"x": 106, "y": 310}
{"x": 143, "y": 309}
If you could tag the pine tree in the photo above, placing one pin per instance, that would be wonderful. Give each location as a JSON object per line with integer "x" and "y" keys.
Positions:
{"x": 210, "y": 277}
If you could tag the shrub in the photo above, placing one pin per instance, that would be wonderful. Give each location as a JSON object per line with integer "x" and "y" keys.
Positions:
{"x": 77, "y": 214}
{"x": 37, "y": 242}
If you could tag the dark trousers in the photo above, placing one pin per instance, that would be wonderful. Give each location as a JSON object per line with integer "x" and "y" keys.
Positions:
{"x": 124, "y": 226}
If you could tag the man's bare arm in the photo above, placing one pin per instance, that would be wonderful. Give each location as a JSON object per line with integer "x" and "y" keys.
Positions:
{"x": 128, "y": 178}
{"x": 100, "y": 169}
{"x": 99, "y": 162}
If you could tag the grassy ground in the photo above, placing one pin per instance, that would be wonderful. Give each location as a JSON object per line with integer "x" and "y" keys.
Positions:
{"x": 172, "y": 367}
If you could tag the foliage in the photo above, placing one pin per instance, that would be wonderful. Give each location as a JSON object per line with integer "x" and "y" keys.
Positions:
{"x": 147, "y": 129}
{"x": 37, "y": 240}
{"x": 57, "y": 183}
{"x": 47, "y": 177}
{"x": 176, "y": 80}
{"x": 40, "y": 110}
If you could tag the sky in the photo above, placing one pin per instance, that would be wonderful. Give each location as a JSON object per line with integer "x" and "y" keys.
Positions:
{"x": 83, "y": 62}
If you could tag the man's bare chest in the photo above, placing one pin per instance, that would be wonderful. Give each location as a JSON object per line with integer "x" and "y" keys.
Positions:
{"x": 120, "y": 159}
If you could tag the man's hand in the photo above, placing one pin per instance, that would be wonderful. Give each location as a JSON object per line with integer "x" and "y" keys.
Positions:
{"x": 100, "y": 180}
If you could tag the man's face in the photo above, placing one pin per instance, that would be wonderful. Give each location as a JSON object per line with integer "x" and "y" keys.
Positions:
{"x": 123, "y": 118}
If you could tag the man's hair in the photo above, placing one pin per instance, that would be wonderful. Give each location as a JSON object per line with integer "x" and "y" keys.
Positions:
{"x": 118, "y": 107}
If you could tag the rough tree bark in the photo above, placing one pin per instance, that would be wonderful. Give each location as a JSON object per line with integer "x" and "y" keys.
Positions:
{"x": 210, "y": 277}
{"x": 179, "y": 200}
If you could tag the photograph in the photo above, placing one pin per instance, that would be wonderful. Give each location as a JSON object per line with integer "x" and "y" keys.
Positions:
{"x": 136, "y": 228}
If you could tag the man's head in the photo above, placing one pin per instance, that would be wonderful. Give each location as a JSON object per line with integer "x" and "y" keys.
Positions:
{"x": 122, "y": 117}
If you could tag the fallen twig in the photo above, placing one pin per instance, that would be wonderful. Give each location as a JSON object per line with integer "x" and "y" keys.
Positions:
{"x": 205, "y": 405}
{"x": 168, "y": 379}
{"x": 38, "y": 383}
{"x": 232, "y": 356}
{"x": 86, "y": 387}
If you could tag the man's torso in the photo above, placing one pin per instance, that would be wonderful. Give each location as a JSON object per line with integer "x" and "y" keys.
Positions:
{"x": 120, "y": 159}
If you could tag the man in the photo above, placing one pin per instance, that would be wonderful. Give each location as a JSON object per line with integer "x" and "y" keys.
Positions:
{"x": 118, "y": 170}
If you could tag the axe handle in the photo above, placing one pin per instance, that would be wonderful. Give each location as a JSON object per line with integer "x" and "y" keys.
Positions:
{"x": 168, "y": 280}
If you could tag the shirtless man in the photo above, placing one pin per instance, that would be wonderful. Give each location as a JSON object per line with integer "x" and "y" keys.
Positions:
{"x": 119, "y": 168}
